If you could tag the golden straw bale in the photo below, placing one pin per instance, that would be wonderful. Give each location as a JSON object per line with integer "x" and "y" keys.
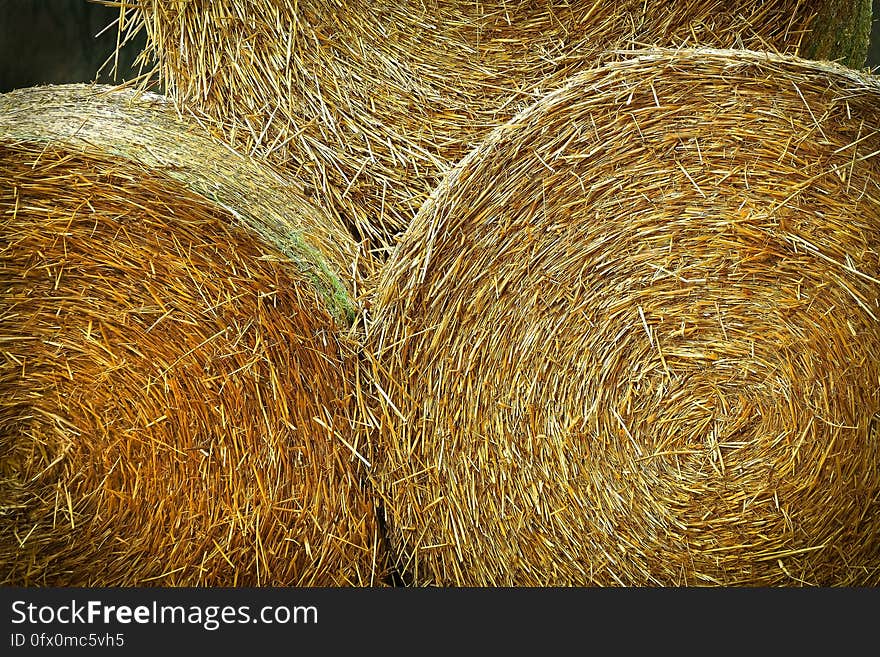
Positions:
{"x": 370, "y": 102}
{"x": 175, "y": 368}
{"x": 633, "y": 337}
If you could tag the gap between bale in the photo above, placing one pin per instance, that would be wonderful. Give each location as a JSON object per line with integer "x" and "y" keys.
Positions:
{"x": 176, "y": 375}
{"x": 371, "y": 102}
{"x": 633, "y": 337}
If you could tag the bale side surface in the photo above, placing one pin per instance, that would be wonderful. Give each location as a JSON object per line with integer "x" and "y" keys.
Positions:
{"x": 371, "y": 102}
{"x": 145, "y": 128}
{"x": 633, "y": 337}
{"x": 174, "y": 393}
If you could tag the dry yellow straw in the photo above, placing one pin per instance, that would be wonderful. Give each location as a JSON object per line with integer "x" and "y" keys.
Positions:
{"x": 633, "y": 337}
{"x": 175, "y": 376}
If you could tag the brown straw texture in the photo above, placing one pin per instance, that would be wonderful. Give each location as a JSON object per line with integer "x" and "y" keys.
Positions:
{"x": 175, "y": 390}
{"x": 371, "y": 102}
{"x": 633, "y": 337}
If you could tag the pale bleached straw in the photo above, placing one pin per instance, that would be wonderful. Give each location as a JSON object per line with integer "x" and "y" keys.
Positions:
{"x": 371, "y": 102}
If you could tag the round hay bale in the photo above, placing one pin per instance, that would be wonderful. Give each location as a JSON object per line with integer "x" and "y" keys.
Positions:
{"x": 373, "y": 101}
{"x": 175, "y": 373}
{"x": 633, "y": 337}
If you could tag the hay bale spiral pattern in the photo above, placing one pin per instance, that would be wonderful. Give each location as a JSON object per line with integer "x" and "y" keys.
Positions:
{"x": 175, "y": 387}
{"x": 633, "y": 337}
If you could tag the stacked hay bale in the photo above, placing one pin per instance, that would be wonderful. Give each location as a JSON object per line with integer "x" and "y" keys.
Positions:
{"x": 175, "y": 377}
{"x": 372, "y": 102}
{"x": 633, "y": 337}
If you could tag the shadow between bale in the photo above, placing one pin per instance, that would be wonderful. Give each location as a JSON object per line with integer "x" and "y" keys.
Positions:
{"x": 175, "y": 365}
{"x": 633, "y": 338}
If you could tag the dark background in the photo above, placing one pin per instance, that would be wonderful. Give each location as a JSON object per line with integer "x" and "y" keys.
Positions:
{"x": 55, "y": 41}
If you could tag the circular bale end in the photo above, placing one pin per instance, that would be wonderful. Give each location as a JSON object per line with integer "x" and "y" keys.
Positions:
{"x": 175, "y": 387}
{"x": 633, "y": 337}
{"x": 372, "y": 102}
